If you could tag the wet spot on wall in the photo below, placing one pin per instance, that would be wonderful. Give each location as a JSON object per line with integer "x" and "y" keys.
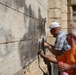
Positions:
{"x": 6, "y": 47}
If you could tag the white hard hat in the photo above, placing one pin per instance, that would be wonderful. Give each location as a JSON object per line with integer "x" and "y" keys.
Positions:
{"x": 54, "y": 25}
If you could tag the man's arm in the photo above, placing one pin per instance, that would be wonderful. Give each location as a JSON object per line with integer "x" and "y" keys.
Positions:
{"x": 65, "y": 67}
{"x": 51, "y": 48}
{"x": 73, "y": 67}
{"x": 48, "y": 58}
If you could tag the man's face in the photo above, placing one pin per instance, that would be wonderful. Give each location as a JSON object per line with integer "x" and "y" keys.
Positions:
{"x": 54, "y": 32}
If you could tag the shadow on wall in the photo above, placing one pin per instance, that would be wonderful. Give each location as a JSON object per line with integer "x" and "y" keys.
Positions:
{"x": 42, "y": 22}
{"x": 28, "y": 46}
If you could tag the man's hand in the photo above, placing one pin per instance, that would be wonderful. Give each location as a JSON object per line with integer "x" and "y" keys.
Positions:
{"x": 64, "y": 67}
{"x": 46, "y": 44}
{"x": 41, "y": 53}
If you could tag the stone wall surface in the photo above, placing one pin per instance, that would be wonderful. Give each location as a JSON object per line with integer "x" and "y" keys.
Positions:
{"x": 58, "y": 11}
{"x": 73, "y": 2}
{"x": 22, "y": 23}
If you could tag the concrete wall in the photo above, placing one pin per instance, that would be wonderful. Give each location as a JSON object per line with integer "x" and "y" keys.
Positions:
{"x": 72, "y": 14}
{"x": 58, "y": 11}
{"x": 22, "y": 23}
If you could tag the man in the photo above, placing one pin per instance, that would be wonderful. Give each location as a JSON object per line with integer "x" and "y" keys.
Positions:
{"x": 61, "y": 44}
{"x": 68, "y": 58}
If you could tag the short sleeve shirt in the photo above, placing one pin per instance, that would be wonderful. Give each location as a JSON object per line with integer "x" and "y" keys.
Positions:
{"x": 61, "y": 43}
